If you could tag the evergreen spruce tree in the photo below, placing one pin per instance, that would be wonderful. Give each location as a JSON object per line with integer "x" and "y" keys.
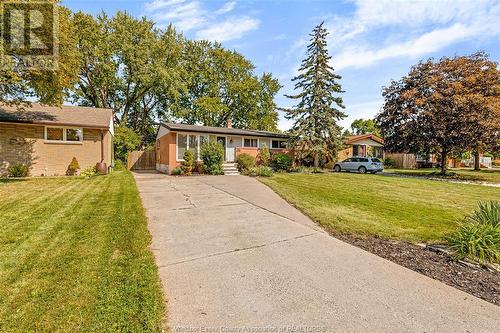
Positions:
{"x": 315, "y": 131}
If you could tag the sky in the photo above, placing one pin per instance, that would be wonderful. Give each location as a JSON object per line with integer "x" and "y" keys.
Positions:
{"x": 371, "y": 41}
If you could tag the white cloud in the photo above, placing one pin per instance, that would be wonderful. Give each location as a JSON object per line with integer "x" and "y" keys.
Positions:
{"x": 188, "y": 15}
{"x": 228, "y": 7}
{"x": 231, "y": 28}
{"x": 373, "y": 33}
{"x": 429, "y": 42}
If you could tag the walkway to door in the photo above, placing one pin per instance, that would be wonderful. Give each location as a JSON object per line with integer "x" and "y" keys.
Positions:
{"x": 233, "y": 254}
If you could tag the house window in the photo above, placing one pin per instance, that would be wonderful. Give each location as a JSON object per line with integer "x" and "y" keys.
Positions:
{"x": 181, "y": 145}
{"x": 55, "y": 134}
{"x": 278, "y": 144}
{"x": 193, "y": 145}
{"x": 64, "y": 134}
{"x": 190, "y": 142}
{"x": 74, "y": 134}
{"x": 355, "y": 150}
{"x": 252, "y": 143}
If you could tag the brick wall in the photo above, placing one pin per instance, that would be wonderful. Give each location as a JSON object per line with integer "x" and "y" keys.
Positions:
{"x": 25, "y": 144}
{"x": 165, "y": 153}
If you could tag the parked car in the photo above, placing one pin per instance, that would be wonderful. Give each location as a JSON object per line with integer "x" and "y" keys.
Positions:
{"x": 360, "y": 164}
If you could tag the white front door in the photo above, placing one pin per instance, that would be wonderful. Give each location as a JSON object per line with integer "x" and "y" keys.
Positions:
{"x": 230, "y": 154}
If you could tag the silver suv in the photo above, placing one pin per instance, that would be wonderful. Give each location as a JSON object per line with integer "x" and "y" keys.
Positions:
{"x": 360, "y": 164}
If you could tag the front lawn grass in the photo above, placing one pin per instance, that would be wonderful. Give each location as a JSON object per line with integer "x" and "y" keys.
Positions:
{"x": 467, "y": 174}
{"x": 416, "y": 210}
{"x": 74, "y": 257}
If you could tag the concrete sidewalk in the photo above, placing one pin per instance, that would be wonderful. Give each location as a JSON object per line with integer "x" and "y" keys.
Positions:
{"x": 233, "y": 255}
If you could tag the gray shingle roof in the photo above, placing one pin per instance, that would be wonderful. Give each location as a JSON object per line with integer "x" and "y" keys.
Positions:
{"x": 222, "y": 130}
{"x": 51, "y": 115}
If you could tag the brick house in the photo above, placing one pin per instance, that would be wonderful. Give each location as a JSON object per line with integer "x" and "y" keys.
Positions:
{"x": 47, "y": 138}
{"x": 362, "y": 146}
{"x": 173, "y": 140}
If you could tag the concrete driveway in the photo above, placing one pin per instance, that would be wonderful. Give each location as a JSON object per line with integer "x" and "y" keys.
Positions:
{"x": 233, "y": 256}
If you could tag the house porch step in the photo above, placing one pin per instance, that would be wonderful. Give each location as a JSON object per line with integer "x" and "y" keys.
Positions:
{"x": 230, "y": 169}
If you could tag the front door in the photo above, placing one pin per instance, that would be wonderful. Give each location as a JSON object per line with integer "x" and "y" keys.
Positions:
{"x": 222, "y": 141}
{"x": 229, "y": 154}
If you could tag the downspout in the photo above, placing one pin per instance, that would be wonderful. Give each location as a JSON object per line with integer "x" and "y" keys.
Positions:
{"x": 102, "y": 146}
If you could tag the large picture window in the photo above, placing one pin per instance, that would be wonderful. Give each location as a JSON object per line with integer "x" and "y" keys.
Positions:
{"x": 64, "y": 134}
{"x": 190, "y": 142}
{"x": 181, "y": 145}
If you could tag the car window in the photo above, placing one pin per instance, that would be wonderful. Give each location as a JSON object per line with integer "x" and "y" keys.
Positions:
{"x": 363, "y": 160}
{"x": 347, "y": 160}
{"x": 376, "y": 160}
{"x": 355, "y": 159}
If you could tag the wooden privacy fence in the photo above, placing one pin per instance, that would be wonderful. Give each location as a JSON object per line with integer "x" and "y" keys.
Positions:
{"x": 403, "y": 161}
{"x": 141, "y": 160}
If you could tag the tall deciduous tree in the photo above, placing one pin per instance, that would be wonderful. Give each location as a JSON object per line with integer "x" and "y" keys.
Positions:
{"x": 446, "y": 107}
{"x": 221, "y": 84}
{"x": 315, "y": 129}
{"x": 20, "y": 80}
{"x": 365, "y": 126}
{"x": 130, "y": 66}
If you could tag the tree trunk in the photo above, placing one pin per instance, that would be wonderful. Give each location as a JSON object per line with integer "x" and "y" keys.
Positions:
{"x": 444, "y": 161}
{"x": 477, "y": 165}
{"x": 316, "y": 159}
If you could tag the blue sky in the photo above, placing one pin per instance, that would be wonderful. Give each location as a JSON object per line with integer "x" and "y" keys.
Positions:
{"x": 371, "y": 41}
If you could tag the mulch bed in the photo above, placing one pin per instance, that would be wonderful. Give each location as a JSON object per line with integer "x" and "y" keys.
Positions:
{"x": 480, "y": 282}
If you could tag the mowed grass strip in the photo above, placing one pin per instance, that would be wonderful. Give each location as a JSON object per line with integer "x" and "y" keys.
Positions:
{"x": 74, "y": 257}
{"x": 483, "y": 175}
{"x": 416, "y": 210}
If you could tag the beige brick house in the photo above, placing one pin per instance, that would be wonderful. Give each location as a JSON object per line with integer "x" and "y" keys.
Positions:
{"x": 47, "y": 138}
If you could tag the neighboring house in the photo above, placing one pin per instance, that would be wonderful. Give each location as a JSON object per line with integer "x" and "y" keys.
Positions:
{"x": 362, "y": 146}
{"x": 47, "y": 138}
{"x": 173, "y": 140}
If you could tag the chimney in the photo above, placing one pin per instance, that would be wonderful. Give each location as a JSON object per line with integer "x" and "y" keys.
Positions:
{"x": 229, "y": 122}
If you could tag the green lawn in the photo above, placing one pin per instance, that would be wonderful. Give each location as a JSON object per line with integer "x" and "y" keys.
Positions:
{"x": 416, "y": 210}
{"x": 74, "y": 257}
{"x": 485, "y": 175}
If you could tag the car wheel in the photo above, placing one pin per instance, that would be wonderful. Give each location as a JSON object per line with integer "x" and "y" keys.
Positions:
{"x": 336, "y": 168}
{"x": 362, "y": 169}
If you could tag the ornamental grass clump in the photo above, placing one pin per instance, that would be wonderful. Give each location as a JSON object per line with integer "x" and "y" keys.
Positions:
{"x": 478, "y": 236}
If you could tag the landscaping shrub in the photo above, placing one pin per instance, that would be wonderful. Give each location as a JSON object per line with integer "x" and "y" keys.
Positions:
{"x": 389, "y": 162}
{"x": 245, "y": 162}
{"x": 212, "y": 154}
{"x": 188, "y": 163}
{"x": 124, "y": 141}
{"x": 264, "y": 155}
{"x": 18, "y": 170}
{"x": 119, "y": 165}
{"x": 478, "y": 237}
{"x": 261, "y": 171}
{"x": 281, "y": 162}
{"x": 73, "y": 167}
{"x": 89, "y": 172}
{"x": 176, "y": 171}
